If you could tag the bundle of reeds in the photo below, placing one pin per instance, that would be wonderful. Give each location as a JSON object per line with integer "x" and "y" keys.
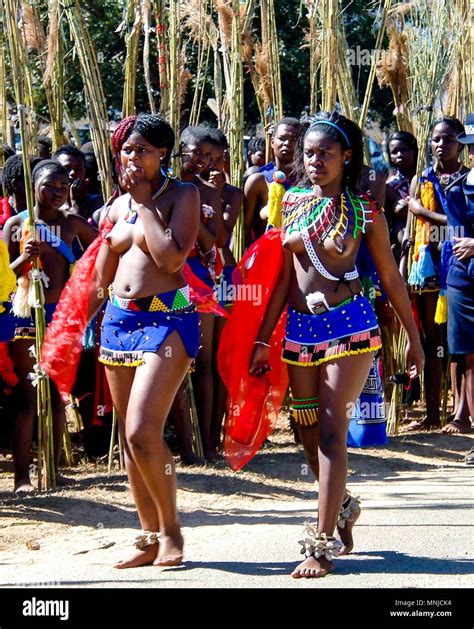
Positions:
{"x": 3, "y": 90}
{"x": 52, "y": 63}
{"x": 199, "y": 26}
{"x": 236, "y": 110}
{"x": 433, "y": 31}
{"x": 147, "y": 28}
{"x": 159, "y": 9}
{"x": 19, "y": 69}
{"x": 313, "y": 39}
{"x": 130, "y": 29}
{"x": 95, "y": 99}
{"x": 370, "y": 81}
{"x": 392, "y": 70}
{"x": 270, "y": 45}
{"x": 329, "y": 19}
{"x": 459, "y": 84}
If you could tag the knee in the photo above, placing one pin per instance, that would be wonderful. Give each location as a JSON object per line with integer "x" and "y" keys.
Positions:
{"x": 332, "y": 442}
{"x": 142, "y": 440}
{"x": 24, "y": 400}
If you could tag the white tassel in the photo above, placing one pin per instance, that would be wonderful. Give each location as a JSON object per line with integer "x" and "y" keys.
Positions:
{"x": 21, "y": 306}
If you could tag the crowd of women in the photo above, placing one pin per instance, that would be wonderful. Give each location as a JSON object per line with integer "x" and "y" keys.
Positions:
{"x": 155, "y": 264}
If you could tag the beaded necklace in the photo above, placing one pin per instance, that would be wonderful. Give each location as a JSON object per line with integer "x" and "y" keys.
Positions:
{"x": 317, "y": 218}
{"x": 132, "y": 214}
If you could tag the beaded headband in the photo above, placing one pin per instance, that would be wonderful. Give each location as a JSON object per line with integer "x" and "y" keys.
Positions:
{"x": 332, "y": 124}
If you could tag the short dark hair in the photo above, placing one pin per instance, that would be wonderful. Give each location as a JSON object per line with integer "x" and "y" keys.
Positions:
{"x": 219, "y": 137}
{"x": 348, "y": 128}
{"x": 407, "y": 138}
{"x": 289, "y": 122}
{"x": 72, "y": 151}
{"x": 451, "y": 121}
{"x": 196, "y": 134}
{"x": 50, "y": 165}
{"x": 255, "y": 144}
{"x": 45, "y": 141}
{"x": 13, "y": 169}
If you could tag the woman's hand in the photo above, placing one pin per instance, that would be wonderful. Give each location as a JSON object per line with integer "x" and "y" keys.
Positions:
{"x": 415, "y": 358}
{"x": 464, "y": 248}
{"x": 134, "y": 182}
{"x": 415, "y": 206}
{"x": 32, "y": 249}
{"x": 259, "y": 364}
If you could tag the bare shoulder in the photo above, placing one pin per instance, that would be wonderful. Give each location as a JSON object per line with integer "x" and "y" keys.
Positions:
{"x": 232, "y": 193}
{"x": 119, "y": 208}
{"x": 13, "y": 221}
{"x": 254, "y": 181}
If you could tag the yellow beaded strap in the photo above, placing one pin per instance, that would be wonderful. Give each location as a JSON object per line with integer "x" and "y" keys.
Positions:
{"x": 305, "y": 411}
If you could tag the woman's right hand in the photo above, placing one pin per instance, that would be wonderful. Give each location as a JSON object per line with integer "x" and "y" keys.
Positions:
{"x": 259, "y": 364}
{"x": 32, "y": 249}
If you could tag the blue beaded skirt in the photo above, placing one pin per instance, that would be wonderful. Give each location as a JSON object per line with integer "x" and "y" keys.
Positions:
{"x": 345, "y": 330}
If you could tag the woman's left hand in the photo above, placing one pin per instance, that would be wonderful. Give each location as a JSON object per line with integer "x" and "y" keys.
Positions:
{"x": 134, "y": 182}
{"x": 464, "y": 248}
{"x": 415, "y": 358}
{"x": 414, "y": 206}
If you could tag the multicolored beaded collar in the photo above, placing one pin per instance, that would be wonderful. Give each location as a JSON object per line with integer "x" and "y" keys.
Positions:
{"x": 326, "y": 217}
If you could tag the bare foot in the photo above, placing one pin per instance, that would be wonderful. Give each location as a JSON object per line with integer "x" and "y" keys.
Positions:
{"x": 189, "y": 458}
{"x": 23, "y": 486}
{"x": 422, "y": 424}
{"x": 144, "y": 557}
{"x": 171, "y": 550}
{"x": 345, "y": 525}
{"x": 62, "y": 481}
{"x": 312, "y": 568}
{"x": 457, "y": 427}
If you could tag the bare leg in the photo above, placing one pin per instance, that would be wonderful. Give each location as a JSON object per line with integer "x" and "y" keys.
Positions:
{"x": 203, "y": 385}
{"x": 433, "y": 346}
{"x": 340, "y": 384}
{"x": 24, "y": 403}
{"x": 180, "y": 416}
{"x": 460, "y": 422}
{"x": 469, "y": 375}
{"x": 120, "y": 381}
{"x": 150, "y": 401}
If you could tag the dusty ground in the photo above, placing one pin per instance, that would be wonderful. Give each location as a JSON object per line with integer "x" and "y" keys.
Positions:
{"x": 96, "y": 518}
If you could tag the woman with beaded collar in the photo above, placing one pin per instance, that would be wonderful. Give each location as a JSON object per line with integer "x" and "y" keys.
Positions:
{"x": 331, "y": 327}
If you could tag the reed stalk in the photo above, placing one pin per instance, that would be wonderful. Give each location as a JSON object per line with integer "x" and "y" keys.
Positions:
{"x": 19, "y": 70}
{"x": 236, "y": 131}
{"x": 174, "y": 73}
{"x": 146, "y": 21}
{"x": 95, "y": 98}
{"x": 329, "y": 17}
{"x": 159, "y": 8}
{"x": 3, "y": 91}
{"x": 373, "y": 67}
{"x": 131, "y": 29}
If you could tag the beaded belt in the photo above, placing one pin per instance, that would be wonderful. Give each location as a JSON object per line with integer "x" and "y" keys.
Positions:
{"x": 171, "y": 301}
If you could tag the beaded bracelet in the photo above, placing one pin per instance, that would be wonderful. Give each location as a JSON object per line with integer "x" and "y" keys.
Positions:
{"x": 261, "y": 343}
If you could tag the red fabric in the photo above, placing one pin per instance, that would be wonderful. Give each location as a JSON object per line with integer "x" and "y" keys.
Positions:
{"x": 5, "y": 211}
{"x": 64, "y": 335}
{"x": 201, "y": 294}
{"x": 253, "y": 403}
{"x": 7, "y": 371}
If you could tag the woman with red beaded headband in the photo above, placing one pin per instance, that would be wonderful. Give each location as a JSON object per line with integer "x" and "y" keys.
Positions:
{"x": 150, "y": 329}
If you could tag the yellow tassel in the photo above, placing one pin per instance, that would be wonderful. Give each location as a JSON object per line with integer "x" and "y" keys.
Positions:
{"x": 7, "y": 276}
{"x": 276, "y": 193}
{"x": 305, "y": 416}
{"x": 441, "y": 315}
